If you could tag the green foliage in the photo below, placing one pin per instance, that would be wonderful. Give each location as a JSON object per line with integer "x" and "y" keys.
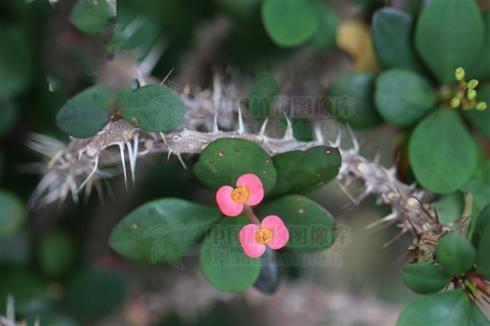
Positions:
{"x": 444, "y": 47}
{"x": 86, "y": 113}
{"x": 56, "y": 253}
{"x": 442, "y": 153}
{"x": 482, "y": 256}
{"x": 300, "y": 171}
{"x": 222, "y": 259}
{"x": 262, "y": 93}
{"x": 26, "y": 287}
{"x": 481, "y": 119}
{"x": 449, "y": 308}
{"x": 12, "y": 214}
{"x": 9, "y": 116}
{"x": 92, "y": 16}
{"x": 15, "y": 61}
{"x": 95, "y": 292}
{"x": 402, "y": 96}
{"x": 224, "y": 160}
{"x": 311, "y": 227}
{"x": 481, "y": 66}
{"x": 290, "y": 22}
{"x": 481, "y": 224}
{"x": 479, "y": 186}
{"x": 353, "y": 101}
{"x": 153, "y": 108}
{"x": 455, "y": 254}
{"x": 326, "y": 35}
{"x": 162, "y": 231}
{"x": 449, "y": 207}
{"x": 424, "y": 278}
{"x": 392, "y": 37}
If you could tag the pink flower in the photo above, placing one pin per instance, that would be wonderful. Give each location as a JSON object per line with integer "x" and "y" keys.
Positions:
{"x": 249, "y": 191}
{"x": 271, "y": 233}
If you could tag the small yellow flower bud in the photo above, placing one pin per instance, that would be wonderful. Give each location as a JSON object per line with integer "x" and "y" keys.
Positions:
{"x": 471, "y": 94}
{"x": 472, "y": 84}
{"x": 455, "y": 102}
{"x": 459, "y": 73}
{"x": 481, "y": 106}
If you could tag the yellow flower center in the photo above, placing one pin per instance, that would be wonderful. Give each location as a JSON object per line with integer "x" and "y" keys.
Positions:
{"x": 240, "y": 194}
{"x": 263, "y": 235}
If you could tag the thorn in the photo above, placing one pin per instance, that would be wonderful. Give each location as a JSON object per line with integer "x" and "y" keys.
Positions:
{"x": 215, "y": 123}
{"x": 391, "y": 217}
{"x": 123, "y": 162}
{"x": 345, "y": 191}
{"x": 317, "y": 129}
{"x": 241, "y": 127}
{"x": 73, "y": 189}
{"x": 131, "y": 160}
{"x": 377, "y": 158}
{"x": 10, "y": 308}
{"x": 94, "y": 169}
{"x": 169, "y": 154}
{"x": 263, "y": 128}
{"x": 289, "y": 133}
{"x": 337, "y": 140}
{"x": 181, "y": 160}
{"x": 361, "y": 197}
{"x": 136, "y": 142}
{"x": 355, "y": 143}
{"x": 149, "y": 62}
{"x": 397, "y": 237}
{"x": 163, "y": 138}
{"x": 166, "y": 76}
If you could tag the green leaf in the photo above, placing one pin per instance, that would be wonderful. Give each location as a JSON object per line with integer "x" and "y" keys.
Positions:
{"x": 481, "y": 119}
{"x": 311, "y": 227}
{"x": 480, "y": 224}
{"x": 424, "y": 278}
{"x": 26, "y": 287}
{"x": 290, "y": 22}
{"x": 92, "y": 16}
{"x": 262, "y": 92}
{"x": 442, "y": 153}
{"x": 300, "y": 171}
{"x": 222, "y": 259}
{"x": 482, "y": 256}
{"x": 86, "y": 113}
{"x": 477, "y": 317}
{"x": 441, "y": 45}
{"x": 12, "y": 214}
{"x": 481, "y": 66}
{"x": 325, "y": 36}
{"x": 15, "y": 61}
{"x": 402, "y": 97}
{"x": 451, "y": 308}
{"x": 392, "y": 37}
{"x": 95, "y": 292}
{"x": 57, "y": 252}
{"x": 455, "y": 254}
{"x": 449, "y": 207}
{"x": 224, "y": 160}
{"x": 153, "y": 108}
{"x": 162, "y": 231}
{"x": 351, "y": 100}
{"x": 9, "y": 116}
{"x": 479, "y": 187}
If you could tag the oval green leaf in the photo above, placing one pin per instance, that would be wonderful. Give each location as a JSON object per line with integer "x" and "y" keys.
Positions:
{"x": 86, "y": 113}
{"x": 442, "y": 153}
{"x": 262, "y": 93}
{"x": 449, "y": 308}
{"x": 92, "y": 16}
{"x": 483, "y": 256}
{"x": 153, "y": 108}
{"x": 12, "y": 214}
{"x": 481, "y": 66}
{"x": 449, "y": 207}
{"x": 311, "y": 227}
{"x": 482, "y": 221}
{"x": 300, "y": 171}
{"x": 392, "y": 37}
{"x": 455, "y": 254}
{"x": 351, "y": 100}
{"x": 162, "y": 231}
{"x": 224, "y": 160}
{"x": 290, "y": 22}
{"x": 326, "y": 35}
{"x": 403, "y": 97}
{"x": 481, "y": 119}
{"x": 441, "y": 45}
{"x": 424, "y": 278}
{"x": 222, "y": 259}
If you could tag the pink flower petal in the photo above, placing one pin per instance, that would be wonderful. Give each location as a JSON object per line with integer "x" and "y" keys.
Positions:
{"x": 250, "y": 246}
{"x": 226, "y": 204}
{"x": 280, "y": 233}
{"x": 254, "y": 186}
